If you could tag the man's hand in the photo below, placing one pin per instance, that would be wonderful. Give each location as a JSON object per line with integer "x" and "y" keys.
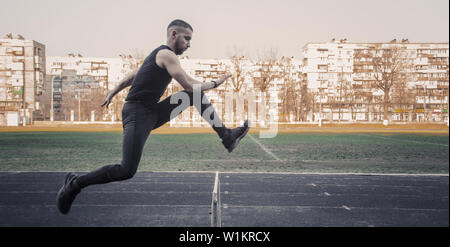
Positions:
{"x": 108, "y": 99}
{"x": 222, "y": 80}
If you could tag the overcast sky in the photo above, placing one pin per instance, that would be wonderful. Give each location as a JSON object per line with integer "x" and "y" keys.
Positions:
{"x": 106, "y": 28}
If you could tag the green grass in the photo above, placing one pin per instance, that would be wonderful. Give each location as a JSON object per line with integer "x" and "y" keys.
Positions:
{"x": 85, "y": 151}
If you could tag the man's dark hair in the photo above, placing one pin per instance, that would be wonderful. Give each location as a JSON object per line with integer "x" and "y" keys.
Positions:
{"x": 180, "y": 23}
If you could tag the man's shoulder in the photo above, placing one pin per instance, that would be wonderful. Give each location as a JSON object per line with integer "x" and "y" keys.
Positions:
{"x": 164, "y": 57}
{"x": 165, "y": 52}
{"x": 157, "y": 50}
{"x": 160, "y": 48}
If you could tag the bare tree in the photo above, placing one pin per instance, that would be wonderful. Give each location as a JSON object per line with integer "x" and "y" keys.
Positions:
{"x": 92, "y": 99}
{"x": 290, "y": 91}
{"x": 238, "y": 77}
{"x": 403, "y": 98}
{"x": 344, "y": 94}
{"x": 316, "y": 102}
{"x": 359, "y": 97}
{"x": 238, "y": 58}
{"x": 239, "y": 72}
{"x": 68, "y": 101}
{"x": 390, "y": 65}
{"x": 305, "y": 103}
{"x": 304, "y": 100}
{"x": 266, "y": 69}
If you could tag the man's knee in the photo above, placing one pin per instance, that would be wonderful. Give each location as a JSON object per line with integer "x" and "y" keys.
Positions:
{"x": 127, "y": 172}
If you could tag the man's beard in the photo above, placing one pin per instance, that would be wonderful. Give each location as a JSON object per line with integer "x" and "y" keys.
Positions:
{"x": 178, "y": 49}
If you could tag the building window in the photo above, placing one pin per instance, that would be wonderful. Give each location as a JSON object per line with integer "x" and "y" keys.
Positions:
{"x": 322, "y": 67}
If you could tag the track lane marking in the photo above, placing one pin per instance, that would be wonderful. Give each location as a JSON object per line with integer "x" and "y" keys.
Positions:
{"x": 264, "y": 148}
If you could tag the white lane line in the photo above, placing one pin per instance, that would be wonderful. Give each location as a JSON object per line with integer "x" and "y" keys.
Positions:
{"x": 226, "y": 206}
{"x": 326, "y": 193}
{"x": 264, "y": 148}
{"x": 387, "y": 138}
{"x": 7, "y": 174}
{"x": 272, "y": 207}
{"x": 252, "y": 172}
{"x": 344, "y": 173}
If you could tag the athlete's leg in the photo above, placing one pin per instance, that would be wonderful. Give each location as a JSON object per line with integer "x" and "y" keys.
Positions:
{"x": 137, "y": 124}
{"x": 173, "y": 105}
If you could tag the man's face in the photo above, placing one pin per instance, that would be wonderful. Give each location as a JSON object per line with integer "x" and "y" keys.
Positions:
{"x": 183, "y": 40}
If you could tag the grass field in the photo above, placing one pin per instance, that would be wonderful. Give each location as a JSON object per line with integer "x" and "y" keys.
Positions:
{"x": 287, "y": 152}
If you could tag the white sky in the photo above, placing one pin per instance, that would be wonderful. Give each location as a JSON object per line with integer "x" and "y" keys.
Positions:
{"x": 106, "y": 28}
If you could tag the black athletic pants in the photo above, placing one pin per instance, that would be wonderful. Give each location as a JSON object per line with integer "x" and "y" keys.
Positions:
{"x": 138, "y": 121}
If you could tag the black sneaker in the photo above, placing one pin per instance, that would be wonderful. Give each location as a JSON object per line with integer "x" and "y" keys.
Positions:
{"x": 232, "y": 137}
{"x": 67, "y": 193}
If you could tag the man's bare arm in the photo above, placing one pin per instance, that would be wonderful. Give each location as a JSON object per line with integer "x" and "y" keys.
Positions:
{"x": 171, "y": 63}
{"x": 213, "y": 84}
{"x": 122, "y": 85}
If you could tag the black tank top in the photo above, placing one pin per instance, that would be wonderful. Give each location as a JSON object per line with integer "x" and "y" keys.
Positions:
{"x": 150, "y": 81}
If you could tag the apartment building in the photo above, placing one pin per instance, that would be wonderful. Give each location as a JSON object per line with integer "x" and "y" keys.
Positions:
{"x": 74, "y": 97}
{"x": 335, "y": 81}
{"x": 79, "y": 77}
{"x": 345, "y": 81}
{"x": 22, "y": 76}
{"x": 107, "y": 71}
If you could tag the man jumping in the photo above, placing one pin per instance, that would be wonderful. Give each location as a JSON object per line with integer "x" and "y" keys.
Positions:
{"x": 143, "y": 112}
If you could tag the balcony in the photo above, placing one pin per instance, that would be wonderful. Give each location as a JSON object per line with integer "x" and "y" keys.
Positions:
{"x": 362, "y": 70}
{"x": 322, "y": 67}
{"x": 422, "y": 78}
{"x": 435, "y": 61}
{"x": 442, "y": 86}
{"x": 362, "y": 62}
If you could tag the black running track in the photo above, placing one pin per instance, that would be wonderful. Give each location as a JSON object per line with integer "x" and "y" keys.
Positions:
{"x": 248, "y": 199}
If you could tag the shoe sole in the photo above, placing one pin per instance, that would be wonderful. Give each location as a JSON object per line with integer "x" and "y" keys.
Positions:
{"x": 236, "y": 142}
